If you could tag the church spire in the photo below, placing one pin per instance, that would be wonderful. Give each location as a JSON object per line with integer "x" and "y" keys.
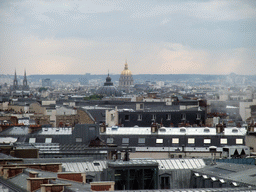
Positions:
{"x": 15, "y": 76}
{"x": 15, "y": 81}
{"x": 25, "y": 82}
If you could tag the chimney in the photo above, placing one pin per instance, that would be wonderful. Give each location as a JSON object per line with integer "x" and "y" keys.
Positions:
{"x": 34, "y": 128}
{"x": 219, "y": 128}
{"x": 103, "y": 128}
{"x": 103, "y": 186}
{"x": 154, "y": 128}
{"x": 78, "y": 177}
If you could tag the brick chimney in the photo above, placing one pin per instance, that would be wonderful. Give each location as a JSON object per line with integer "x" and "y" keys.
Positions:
{"x": 53, "y": 187}
{"x": 35, "y": 183}
{"x": 103, "y": 186}
{"x": 78, "y": 177}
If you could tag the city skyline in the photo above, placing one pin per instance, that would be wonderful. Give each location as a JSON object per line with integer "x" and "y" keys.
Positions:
{"x": 159, "y": 37}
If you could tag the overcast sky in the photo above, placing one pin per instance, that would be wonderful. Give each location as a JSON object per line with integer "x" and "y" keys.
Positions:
{"x": 160, "y": 37}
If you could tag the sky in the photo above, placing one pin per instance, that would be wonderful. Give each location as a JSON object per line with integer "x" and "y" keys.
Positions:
{"x": 155, "y": 37}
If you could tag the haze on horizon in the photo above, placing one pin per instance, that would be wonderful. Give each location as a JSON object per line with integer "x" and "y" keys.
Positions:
{"x": 156, "y": 37}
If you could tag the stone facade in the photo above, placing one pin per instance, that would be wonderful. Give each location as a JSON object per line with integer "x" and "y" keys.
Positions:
{"x": 41, "y": 119}
{"x": 37, "y": 108}
{"x": 82, "y": 117}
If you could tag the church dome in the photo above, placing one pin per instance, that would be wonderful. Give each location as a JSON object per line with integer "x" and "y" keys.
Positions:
{"x": 126, "y": 71}
{"x": 108, "y": 89}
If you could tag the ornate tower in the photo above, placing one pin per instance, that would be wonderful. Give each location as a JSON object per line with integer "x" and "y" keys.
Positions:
{"x": 126, "y": 79}
{"x": 15, "y": 82}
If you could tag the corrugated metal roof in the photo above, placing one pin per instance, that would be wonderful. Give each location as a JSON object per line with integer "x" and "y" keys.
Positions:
{"x": 163, "y": 164}
{"x": 232, "y": 172}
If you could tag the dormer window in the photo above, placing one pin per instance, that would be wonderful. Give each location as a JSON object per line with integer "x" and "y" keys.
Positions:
{"x": 182, "y": 130}
{"x": 162, "y": 130}
{"x": 234, "y": 130}
{"x": 207, "y": 130}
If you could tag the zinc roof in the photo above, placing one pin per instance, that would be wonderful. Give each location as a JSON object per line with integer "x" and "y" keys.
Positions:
{"x": 163, "y": 164}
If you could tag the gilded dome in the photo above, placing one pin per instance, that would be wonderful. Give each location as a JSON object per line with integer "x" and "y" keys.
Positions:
{"x": 126, "y": 71}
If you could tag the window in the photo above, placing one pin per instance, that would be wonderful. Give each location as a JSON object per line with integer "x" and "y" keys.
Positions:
{"x": 141, "y": 140}
{"x": 198, "y": 116}
{"x": 32, "y": 140}
{"x": 141, "y": 106}
{"x": 207, "y": 141}
{"x": 110, "y": 140}
{"x": 48, "y": 140}
{"x": 127, "y": 117}
{"x": 183, "y": 116}
{"x": 125, "y": 140}
{"x": 91, "y": 128}
{"x": 239, "y": 141}
{"x": 165, "y": 182}
{"x": 112, "y": 117}
{"x": 139, "y": 117}
{"x": 168, "y": 116}
{"x": 223, "y": 141}
{"x": 79, "y": 140}
{"x": 153, "y": 117}
{"x": 159, "y": 140}
{"x": 191, "y": 140}
{"x": 96, "y": 164}
{"x": 175, "y": 140}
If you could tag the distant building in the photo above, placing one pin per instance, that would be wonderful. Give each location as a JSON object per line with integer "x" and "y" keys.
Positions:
{"x": 108, "y": 89}
{"x": 126, "y": 79}
{"x": 46, "y": 82}
{"x": 20, "y": 90}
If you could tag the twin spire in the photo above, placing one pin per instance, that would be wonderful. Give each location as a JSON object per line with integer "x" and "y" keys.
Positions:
{"x": 25, "y": 82}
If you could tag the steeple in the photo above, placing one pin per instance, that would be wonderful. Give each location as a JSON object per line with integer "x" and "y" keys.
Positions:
{"x": 15, "y": 82}
{"x": 25, "y": 82}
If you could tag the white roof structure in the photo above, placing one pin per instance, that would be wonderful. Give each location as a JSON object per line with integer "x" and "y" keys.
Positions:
{"x": 56, "y": 131}
{"x": 8, "y": 140}
{"x": 231, "y": 131}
